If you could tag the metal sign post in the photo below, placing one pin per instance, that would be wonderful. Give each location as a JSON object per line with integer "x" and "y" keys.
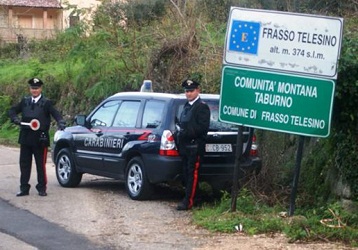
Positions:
{"x": 235, "y": 186}
{"x": 296, "y": 175}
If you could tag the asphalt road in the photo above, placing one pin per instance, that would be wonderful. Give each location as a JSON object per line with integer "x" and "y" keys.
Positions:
{"x": 22, "y": 229}
{"x": 96, "y": 215}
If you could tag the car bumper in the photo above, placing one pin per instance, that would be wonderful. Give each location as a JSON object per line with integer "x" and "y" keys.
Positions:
{"x": 162, "y": 168}
{"x": 225, "y": 171}
{"x": 165, "y": 169}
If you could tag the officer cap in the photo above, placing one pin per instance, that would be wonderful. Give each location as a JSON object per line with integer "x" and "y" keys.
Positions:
{"x": 35, "y": 83}
{"x": 190, "y": 84}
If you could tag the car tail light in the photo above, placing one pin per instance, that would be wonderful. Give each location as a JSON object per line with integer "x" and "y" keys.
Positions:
{"x": 254, "y": 146}
{"x": 167, "y": 144}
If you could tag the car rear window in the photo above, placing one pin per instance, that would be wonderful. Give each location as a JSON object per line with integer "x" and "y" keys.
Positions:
{"x": 215, "y": 124}
{"x": 152, "y": 115}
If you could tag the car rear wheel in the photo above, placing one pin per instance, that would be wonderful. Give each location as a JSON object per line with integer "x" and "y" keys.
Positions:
{"x": 66, "y": 173}
{"x": 137, "y": 184}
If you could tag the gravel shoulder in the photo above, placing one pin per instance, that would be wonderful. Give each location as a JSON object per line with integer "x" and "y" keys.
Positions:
{"x": 100, "y": 210}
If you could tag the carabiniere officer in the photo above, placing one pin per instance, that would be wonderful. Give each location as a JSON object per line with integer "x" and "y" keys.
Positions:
{"x": 194, "y": 125}
{"x": 34, "y": 141}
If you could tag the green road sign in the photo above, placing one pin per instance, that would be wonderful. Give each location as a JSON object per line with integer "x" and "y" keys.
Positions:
{"x": 276, "y": 101}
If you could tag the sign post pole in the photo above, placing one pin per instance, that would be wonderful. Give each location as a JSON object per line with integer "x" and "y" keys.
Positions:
{"x": 296, "y": 175}
{"x": 235, "y": 185}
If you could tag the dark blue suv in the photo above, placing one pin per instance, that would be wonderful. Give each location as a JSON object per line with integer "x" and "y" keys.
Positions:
{"x": 129, "y": 136}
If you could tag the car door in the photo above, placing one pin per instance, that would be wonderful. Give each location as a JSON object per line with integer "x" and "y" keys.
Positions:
{"x": 90, "y": 141}
{"x": 122, "y": 131}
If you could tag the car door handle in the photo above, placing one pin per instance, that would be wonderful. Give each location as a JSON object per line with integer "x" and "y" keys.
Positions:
{"x": 97, "y": 131}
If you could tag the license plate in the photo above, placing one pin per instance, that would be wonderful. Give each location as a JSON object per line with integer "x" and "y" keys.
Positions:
{"x": 218, "y": 148}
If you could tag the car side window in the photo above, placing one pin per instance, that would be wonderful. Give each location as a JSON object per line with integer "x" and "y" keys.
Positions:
{"x": 178, "y": 112}
{"x": 127, "y": 114}
{"x": 153, "y": 113}
{"x": 104, "y": 114}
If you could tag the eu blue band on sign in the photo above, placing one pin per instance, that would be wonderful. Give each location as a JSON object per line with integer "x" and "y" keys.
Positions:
{"x": 244, "y": 36}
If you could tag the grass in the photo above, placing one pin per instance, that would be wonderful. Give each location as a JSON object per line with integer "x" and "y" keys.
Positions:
{"x": 21, "y": 71}
{"x": 9, "y": 134}
{"x": 329, "y": 223}
{"x": 10, "y": 71}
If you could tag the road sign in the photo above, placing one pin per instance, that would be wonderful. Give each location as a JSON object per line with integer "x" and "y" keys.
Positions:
{"x": 283, "y": 42}
{"x": 276, "y": 101}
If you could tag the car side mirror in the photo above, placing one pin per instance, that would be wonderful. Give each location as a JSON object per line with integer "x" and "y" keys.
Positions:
{"x": 80, "y": 120}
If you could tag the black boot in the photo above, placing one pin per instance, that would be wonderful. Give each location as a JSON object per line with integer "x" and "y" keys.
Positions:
{"x": 183, "y": 206}
{"x": 22, "y": 193}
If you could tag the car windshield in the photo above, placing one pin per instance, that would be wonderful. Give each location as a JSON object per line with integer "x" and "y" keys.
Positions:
{"x": 215, "y": 124}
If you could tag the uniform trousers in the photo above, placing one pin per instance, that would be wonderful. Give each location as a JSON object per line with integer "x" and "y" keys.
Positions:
{"x": 191, "y": 165}
{"x": 40, "y": 156}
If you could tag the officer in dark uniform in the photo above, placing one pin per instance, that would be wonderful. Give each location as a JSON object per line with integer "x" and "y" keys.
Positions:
{"x": 194, "y": 125}
{"x": 34, "y": 140}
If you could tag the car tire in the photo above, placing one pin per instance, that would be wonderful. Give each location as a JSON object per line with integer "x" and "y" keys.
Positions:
{"x": 66, "y": 173}
{"x": 138, "y": 186}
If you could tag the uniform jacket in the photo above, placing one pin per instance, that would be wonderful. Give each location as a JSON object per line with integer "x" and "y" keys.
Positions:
{"x": 42, "y": 110}
{"x": 194, "y": 123}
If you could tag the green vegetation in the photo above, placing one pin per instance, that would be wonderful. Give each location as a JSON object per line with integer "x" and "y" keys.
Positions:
{"x": 9, "y": 135}
{"x": 253, "y": 216}
{"x": 166, "y": 42}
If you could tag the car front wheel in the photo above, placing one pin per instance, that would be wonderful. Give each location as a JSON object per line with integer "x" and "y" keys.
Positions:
{"x": 66, "y": 173}
{"x": 137, "y": 184}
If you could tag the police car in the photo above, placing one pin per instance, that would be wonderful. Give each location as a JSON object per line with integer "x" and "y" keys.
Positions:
{"x": 130, "y": 137}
